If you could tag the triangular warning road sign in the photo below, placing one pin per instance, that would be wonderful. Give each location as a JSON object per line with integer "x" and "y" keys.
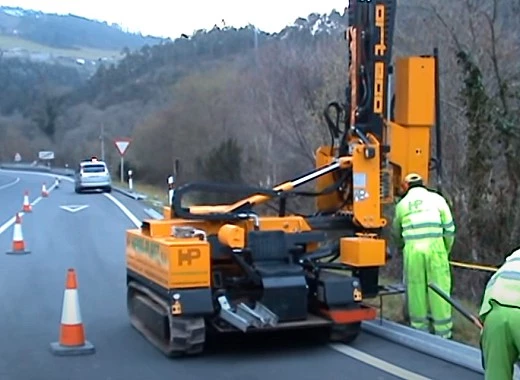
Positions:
{"x": 122, "y": 146}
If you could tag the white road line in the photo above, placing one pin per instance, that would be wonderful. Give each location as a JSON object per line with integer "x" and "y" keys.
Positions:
{"x": 8, "y": 224}
{"x": 125, "y": 210}
{"x": 11, "y": 221}
{"x": 10, "y": 184}
{"x": 377, "y": 363}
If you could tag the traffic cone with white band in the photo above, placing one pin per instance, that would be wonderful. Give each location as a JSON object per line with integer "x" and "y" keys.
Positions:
{"x": 72, "y": 340}
{"x": 45, "y": 193}
{"x": 26, "y": 204}
{"x": 18, "y": 242}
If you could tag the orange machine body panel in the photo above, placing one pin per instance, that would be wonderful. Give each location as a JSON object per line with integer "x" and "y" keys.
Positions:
{"x": 169, "y": 261}
{"x": 363, "y": 251}
{"x": 363, "y": 313}
{"x": 409, "y": 133}
{"x": 180, "y": 263}
{"x": 366, "y": 186}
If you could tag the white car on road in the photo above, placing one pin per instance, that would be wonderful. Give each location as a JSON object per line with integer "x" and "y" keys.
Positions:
{"x": 92, "y": 174}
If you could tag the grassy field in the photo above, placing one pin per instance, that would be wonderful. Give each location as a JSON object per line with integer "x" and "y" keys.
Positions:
{"x": 464, "y": 331}
{"x": 12, "y": 42}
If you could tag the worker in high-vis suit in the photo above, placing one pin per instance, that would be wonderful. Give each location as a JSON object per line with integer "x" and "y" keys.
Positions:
{"x": 424, "y": 229}
{"x": 500, "y": 314}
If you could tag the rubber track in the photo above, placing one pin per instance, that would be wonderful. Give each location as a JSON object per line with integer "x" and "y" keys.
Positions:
{"x": 186, "y": 334}
{"x": 345, "y": 334}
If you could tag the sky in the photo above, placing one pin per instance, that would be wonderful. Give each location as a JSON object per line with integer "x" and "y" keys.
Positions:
{"x": 171, "y": 18}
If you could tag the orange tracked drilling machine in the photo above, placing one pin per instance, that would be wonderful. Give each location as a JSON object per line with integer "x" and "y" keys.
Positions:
{"x": 227, "y": 268}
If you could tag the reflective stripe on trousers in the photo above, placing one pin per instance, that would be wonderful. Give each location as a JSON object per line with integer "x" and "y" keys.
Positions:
{"x": 443, "y": 327}
{"x": 420, "y": 323}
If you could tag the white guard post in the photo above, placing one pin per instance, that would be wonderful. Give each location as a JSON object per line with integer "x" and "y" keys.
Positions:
{"x": 171, "y": 184}
{"x": 130, "y": 180}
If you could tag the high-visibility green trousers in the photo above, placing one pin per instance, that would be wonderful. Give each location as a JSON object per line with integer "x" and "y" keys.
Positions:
{"x": 422, "y": 267}
{"x": 500, "y": 342}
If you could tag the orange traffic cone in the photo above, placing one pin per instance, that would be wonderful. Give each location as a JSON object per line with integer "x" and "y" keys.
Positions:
{"x": 26, "y": 204}
{"x": 45, "y": 193}
{"x": 72, "y": 333}
{"x": 18, "y": 242}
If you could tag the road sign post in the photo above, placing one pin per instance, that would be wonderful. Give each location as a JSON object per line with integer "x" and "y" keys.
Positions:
{"x": 122, "y": 145}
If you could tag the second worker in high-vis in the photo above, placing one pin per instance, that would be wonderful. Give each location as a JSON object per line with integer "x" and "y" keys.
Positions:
{"x": 424, "y": 229}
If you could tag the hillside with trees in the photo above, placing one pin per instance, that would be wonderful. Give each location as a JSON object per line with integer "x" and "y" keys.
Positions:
{"x": 68, "y": 31}
{"x": 244, "y": 106}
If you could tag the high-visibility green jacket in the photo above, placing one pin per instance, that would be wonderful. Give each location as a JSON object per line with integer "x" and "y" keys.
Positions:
{"x": 504, "y": 286}
{"x": 423, "y": 218}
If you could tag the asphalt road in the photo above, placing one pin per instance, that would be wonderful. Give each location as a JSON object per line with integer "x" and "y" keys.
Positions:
{"x": 12, "y": 189}
{"x": 92, "y": 241}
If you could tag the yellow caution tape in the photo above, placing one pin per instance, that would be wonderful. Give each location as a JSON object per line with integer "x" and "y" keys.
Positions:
{"x": 486, "y": 268}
